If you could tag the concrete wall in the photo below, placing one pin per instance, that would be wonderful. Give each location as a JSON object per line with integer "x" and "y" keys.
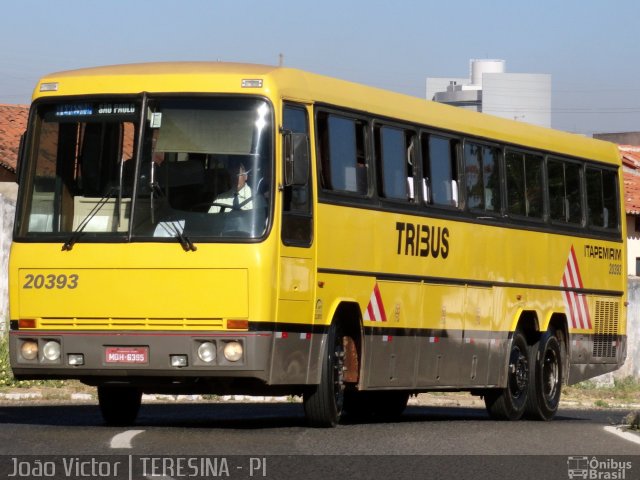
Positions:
{"x": 631, "y": 367}
{"x": 7, "y": 212}
{"x": 633, "y": 245}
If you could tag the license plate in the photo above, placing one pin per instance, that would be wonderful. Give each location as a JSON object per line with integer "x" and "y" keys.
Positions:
{"x": 136, "y": 355}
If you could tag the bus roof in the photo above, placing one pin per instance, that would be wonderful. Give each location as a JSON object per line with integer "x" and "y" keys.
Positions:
{"x": 283, "y": 82}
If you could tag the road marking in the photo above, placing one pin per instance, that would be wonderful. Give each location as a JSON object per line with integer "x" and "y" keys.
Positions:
{"x": 631, "y": 437}
{"x": 123, "y": 440}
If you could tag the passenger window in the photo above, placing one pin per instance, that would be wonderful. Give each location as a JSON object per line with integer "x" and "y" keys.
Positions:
{"x": 482, "y": 178}
{"x": 524, "y": 184}
{"x": 602, "y": 198}
{"x": 395, "y": 161}
{"x": 440, "y": 186}
{"x": 565, "y": 199}
{"x": 342, "y": 153}
{"x": 610, "y": 199}
{"x": 514, "y": 163}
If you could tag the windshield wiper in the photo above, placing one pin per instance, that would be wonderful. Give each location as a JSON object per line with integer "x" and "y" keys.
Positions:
{"x": 77, "y": 233}
{"x": 185, "y": 242}
{"x": 171, "y": 228}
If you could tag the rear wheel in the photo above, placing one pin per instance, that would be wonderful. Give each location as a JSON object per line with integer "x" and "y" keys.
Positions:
{"x": 323, "y": 403}
{"x": 119, "y": 405}
{"x": 509, "y": 403}
{"x": 546, "y": 381}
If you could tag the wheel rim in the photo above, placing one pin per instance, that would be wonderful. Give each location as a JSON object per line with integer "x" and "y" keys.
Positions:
{"x": 550, "y": 374}
{"x": 518, "y": 372}
{"x": 338, "y": 373}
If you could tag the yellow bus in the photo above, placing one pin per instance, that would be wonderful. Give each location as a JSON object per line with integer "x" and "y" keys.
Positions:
{"x": 230, "y": 228}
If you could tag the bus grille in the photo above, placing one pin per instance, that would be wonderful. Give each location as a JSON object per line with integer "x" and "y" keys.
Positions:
{"x": 132, "y": 323}
{"x": 606, "y": 329}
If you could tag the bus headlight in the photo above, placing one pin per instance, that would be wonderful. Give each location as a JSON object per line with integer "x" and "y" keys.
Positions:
{"x": 207, "y": 352}
{"x": 51, "y": 351}
{"x": 233, "y": 351}
{"x": 29, "y": 349}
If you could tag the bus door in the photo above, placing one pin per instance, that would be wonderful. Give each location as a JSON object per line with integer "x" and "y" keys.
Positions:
{"x": 295, "y": 310}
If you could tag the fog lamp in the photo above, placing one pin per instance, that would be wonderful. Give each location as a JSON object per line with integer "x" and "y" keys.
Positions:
{"x": 207, "y": 352}
{"x": 29, "y": 349}
{"x": 179, "y": 360}
{"x": 233, "y": 351}
{"x": 75, "y": 359}
{"x": 51, "y": 351}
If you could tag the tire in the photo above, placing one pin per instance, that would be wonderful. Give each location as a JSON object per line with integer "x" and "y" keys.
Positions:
{"x": 509, "y": 403}
{"x": 323, "y": 404}
{"x": 545, "y": 387}
{"x": 119, "y": 405}
{"x": 377, "y": 405}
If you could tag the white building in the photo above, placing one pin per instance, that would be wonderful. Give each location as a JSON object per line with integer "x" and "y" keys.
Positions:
{"x": 525, "y": 97}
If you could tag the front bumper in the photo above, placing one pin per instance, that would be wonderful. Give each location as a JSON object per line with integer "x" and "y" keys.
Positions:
{"x": 159, "y": 346}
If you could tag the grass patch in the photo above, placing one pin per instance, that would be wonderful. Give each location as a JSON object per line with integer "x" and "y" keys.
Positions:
{"x": 623, "y": 391}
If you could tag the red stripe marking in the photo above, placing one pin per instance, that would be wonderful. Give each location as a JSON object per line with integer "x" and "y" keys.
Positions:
{"x": 376, "y": 292}
{"x": 576, "y": 303}
{"x": 576, "y": 269}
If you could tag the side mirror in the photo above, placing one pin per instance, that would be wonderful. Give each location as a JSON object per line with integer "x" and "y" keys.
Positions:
{"x": 296, "y": 158}
{"x": 19, "y": 160}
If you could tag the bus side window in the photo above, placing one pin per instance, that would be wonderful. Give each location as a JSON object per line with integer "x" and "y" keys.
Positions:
{"x": 439, "y": 170}
{"x": 610, "y": 199}
{"x": 565, "y": 198}
{"x": 534, "y": 185}
{"x": 411, "y": 165}
{"x": 516, "y": 203}
{"x": 342, "y": 154}
{"x": 394, "y": 152}
{"x": 482, "y": 179}
{"x": 524, "y": 184}
{"x": 602, "y": 198}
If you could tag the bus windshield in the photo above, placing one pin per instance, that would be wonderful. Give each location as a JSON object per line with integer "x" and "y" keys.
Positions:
{"x": 203, "y": 172}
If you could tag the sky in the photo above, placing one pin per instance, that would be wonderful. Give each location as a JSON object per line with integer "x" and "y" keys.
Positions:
{"x": 590, "y": 48}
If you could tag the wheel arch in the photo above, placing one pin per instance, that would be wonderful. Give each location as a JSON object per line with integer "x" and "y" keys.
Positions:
{"x": 529, "y": 325}
{"x": 348, "y": 318}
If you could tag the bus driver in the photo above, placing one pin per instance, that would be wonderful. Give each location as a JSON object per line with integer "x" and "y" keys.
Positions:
{"x": 238, "y": 197}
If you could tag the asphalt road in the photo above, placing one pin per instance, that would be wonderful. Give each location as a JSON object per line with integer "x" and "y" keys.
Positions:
{"x": 273, "y": 441}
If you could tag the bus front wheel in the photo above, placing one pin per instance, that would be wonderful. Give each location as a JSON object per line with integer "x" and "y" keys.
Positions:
{"x": 509, "y": 403}
{"x": 119, "y": 405}
{"x": 323, "y": 403}
{"x": 546, "y": 380}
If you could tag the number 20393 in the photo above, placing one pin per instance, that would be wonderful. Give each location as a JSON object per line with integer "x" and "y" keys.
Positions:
{"x": 51, "y": 281}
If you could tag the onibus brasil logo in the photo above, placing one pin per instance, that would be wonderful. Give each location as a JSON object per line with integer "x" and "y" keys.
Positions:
{"x": 597, "y": 469}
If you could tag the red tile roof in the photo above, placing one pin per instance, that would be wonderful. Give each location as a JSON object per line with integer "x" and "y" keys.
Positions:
{"x": 13, "y": 121}
{"x": 631, "y": 161}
